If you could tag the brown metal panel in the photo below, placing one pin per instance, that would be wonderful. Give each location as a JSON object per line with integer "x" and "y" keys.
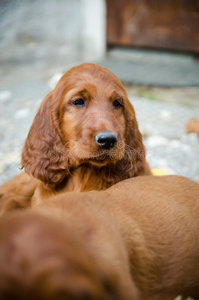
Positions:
{"x": 170, "y": 24}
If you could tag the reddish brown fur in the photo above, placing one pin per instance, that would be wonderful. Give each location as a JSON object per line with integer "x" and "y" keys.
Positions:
{"x": 138, "y": 240}
{"x": 192, "y": 126}
{"x": 17, "y": 192}
{"x": 60, "y": 149}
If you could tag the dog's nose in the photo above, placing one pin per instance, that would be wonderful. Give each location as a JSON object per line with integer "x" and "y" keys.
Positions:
{"x": 106, "y": 139}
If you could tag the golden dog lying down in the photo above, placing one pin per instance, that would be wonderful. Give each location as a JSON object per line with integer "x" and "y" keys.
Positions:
{"x": 138, "y": 239}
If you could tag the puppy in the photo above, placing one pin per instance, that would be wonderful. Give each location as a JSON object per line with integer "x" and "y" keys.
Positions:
{"x": 84, "y": 137}
{"x": 138, "y": 239}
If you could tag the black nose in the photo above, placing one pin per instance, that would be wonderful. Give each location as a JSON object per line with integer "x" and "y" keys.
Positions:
{"x": 106, "y": 139}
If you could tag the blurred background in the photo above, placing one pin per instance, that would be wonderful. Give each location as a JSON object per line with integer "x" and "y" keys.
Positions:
{"x": 151, "y": 45}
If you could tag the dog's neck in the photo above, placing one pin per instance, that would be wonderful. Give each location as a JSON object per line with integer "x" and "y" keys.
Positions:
{"x": 81, "y": 179}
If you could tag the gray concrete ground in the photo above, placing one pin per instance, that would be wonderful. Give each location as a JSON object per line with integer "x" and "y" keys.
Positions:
{"x": 162, "y": 113}
{"x": 153, "y": 68}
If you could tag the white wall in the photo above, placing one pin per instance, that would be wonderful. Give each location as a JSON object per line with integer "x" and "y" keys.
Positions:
{"x": 94, "y": 27}
{"x": 67, "y": 30}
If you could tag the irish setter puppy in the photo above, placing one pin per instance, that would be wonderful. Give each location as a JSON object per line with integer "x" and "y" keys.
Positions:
{"x": 137, "y": 240}
{"x": 85, "y": 135}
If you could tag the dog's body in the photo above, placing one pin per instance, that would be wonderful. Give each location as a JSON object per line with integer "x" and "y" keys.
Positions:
{"x": 84, "y": 137}
{"x": 138, "y": 240}
{"x": 17, "y": 193}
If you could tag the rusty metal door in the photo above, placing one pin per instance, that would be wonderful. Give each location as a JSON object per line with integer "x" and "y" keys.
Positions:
{"x": 171, "y": 24}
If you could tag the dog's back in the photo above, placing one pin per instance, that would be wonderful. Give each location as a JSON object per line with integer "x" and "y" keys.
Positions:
{"x": 146, "y": 227}
{"x": 159, "y": 217}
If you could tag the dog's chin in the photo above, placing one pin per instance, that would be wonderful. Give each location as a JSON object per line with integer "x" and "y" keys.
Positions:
{"x": 99, "y": 158}
{"x": 100, "y": 161}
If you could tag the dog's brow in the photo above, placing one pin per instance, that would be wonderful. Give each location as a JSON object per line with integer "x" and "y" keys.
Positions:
{"x": 70, "y": 93}
{"x": 76, "y": 91}
{"x": 117, "y": 95}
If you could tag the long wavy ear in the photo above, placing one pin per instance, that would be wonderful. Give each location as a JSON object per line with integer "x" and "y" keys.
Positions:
{"x": 135, "y": 154}
{"x": 43, "y": 154}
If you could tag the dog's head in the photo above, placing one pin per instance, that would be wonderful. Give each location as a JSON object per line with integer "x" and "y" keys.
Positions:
{"x": 88, "y": 119}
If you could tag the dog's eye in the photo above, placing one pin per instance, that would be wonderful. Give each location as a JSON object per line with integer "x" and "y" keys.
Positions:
{"x": 117, "y": 104}
{"x": 79, "y": 102}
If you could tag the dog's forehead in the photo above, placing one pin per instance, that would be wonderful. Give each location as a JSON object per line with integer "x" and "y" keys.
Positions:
{"x": 92, "y": 75}
{"x": 90, "y": 68}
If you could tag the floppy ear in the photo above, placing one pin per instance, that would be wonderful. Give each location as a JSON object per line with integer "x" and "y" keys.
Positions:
{"x": 43, "y": 154}
{"x": 135, "y": 153}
